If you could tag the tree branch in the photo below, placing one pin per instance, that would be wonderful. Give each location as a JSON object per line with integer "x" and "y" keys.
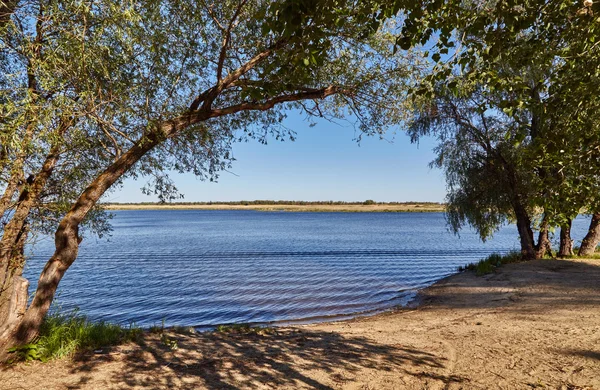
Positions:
{"x": 208, "y": 96}
{"x": 270, "y": 103}
{"x": 227, "y": 38}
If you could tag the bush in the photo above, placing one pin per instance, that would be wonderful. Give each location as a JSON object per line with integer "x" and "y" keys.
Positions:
{"x": 64, "y": 334}
{"x": 369, "y": 202}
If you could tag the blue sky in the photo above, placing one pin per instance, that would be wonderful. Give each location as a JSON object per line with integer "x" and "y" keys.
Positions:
{"x": 324, "y": 163}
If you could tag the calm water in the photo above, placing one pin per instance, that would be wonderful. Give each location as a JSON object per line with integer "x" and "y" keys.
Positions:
{"x": 201, "y": 268}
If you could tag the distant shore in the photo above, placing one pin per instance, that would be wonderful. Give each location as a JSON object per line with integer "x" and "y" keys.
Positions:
{"x": 411, "y": 207}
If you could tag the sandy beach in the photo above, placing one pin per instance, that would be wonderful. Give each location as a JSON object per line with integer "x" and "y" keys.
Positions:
{"x": 532, "y": 325}
{"x": 347, "y": 208}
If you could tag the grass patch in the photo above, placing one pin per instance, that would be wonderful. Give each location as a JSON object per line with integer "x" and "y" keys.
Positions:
{"x": 490, "y": 263}
{"x": 595, "y": 255}
{"x": 245, "y": 329}
{"x": 63, "y": 335}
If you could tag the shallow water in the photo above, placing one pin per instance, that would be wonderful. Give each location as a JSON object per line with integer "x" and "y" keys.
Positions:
{"x": 201, "y": 268}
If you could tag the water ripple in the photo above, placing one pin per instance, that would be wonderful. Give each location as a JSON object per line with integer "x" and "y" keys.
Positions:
{"x": 202, "y": 268}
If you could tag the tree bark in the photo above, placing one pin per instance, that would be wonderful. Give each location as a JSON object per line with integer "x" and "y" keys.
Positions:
{"x": 17, "y": 303}
{"x": 12, "y": 244}
{"x": 13, "y": 300}
{"x": 544, "y": 246}
{"x": 528, "y": 249}
{"x": 525, "y": 233}
{"x": 566, "y": 243}
{"x": 592, "y": 238}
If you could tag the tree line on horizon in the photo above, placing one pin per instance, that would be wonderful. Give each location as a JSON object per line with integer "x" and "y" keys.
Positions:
{"x": 92, "y": 93}
{"x": 275, "y": 202}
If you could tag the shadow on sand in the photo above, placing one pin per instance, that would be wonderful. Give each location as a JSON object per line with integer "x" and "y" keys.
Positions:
{"x": 308, "y": 358}
{"x": 538, "y": 284}
{"x": 243, "y": 361}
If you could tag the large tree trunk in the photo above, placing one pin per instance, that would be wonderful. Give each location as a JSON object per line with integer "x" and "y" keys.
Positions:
{"x": 544, "y": 246}
{"x": 525, "y": 233}
{"x": 566, "y": 243}
{"x": 12, "y": 244}
{"x": 13, "y": 293}
{"x": 592, "y": 238}
{"x": 528, "y": 250}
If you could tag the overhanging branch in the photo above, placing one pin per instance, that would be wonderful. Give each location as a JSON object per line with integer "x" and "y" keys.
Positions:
{"x": 321, "y": 93}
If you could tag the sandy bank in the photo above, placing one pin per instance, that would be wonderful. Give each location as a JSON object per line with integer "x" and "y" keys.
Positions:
{"x": 351, "y": 208}
{"x": 530, "y": 325}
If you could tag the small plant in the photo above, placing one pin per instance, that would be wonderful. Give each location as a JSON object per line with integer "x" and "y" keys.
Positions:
{"x": 164, "y": 338}
{"x": 27, "y": 352}
{"x": 490, "y": 263}
{"x": 169, "y": 342}
{"x": 158, "y": 328}
{"x": 244, "y": 329}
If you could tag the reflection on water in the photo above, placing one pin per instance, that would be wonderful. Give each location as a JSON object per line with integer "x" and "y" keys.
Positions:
{"x": 200, "y": 268}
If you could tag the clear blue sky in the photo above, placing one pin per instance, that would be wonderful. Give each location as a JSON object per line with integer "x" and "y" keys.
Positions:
{"x": 324, "y": 163}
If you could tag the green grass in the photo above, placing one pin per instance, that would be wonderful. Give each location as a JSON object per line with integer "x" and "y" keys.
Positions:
{"x": 490, "y": 263}
{"x": 63, "y": 335}
{"x": 493, "y": 261}
{"x": 595, "y": 255}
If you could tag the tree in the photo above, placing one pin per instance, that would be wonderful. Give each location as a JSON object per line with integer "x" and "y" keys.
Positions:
{"x": 109, "y": 90}
{"x": 478, "y": 150}
{"x": 592, "y": 238}
{"x": 478, "y": 41}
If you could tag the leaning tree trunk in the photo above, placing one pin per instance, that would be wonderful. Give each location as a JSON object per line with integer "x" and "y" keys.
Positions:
{"x": 566, "y": 243}
{"x": 67, "y": 239}
{"x": 67, "y": 242}
{"x": 592, "y": 238}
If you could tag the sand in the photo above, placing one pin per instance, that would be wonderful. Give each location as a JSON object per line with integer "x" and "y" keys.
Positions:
{"x": 346, "y": 208}
{"x": 529, "y": 325}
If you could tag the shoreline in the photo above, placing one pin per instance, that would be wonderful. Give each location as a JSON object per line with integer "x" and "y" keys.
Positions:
{"x": 412, "y": 301}
{"x": 347, "y": 208}
{"x": 532, "y": 324}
